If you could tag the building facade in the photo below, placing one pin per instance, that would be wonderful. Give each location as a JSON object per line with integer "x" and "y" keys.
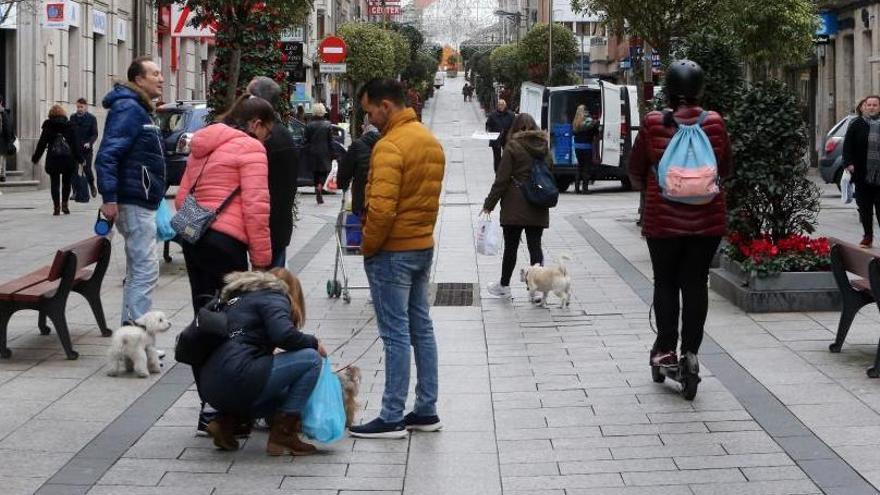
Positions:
{"x": 848, "y": 60}
{"x": 62, "y": 51}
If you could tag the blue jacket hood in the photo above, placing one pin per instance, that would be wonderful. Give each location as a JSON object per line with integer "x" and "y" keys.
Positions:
{"x": 127, "y": 90}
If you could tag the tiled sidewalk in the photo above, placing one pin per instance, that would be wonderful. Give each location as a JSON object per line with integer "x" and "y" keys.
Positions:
{"x": 535, "y": 401}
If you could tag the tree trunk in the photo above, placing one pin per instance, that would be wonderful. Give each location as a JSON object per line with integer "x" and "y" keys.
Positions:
{"x": 234, "y": 68}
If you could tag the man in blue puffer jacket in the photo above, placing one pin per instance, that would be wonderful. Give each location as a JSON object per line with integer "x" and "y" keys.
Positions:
{"x": 131, "y": 179}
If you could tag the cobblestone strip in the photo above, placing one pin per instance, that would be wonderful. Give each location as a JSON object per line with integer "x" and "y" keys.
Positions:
{"x": 831, "y": 473}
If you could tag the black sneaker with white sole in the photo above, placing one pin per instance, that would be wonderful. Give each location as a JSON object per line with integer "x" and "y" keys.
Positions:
{"x": 379, "y": 429}
{"x": 422, "y": 423}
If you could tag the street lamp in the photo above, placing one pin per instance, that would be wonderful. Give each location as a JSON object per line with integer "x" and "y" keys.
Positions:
{"x": 516, "y": 16}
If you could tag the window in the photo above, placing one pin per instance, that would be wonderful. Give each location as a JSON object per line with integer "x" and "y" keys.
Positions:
{"x": 99, "y": 76}
{"x": 74, "y": 65}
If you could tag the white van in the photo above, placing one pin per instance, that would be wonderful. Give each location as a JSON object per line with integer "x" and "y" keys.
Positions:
{"x": 439, "y": 79}
{"x": 554, "y": 107}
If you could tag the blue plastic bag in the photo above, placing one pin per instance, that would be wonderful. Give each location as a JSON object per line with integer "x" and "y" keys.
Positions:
{"x": 164, "y": 230}
{"x": 323, "y": 418}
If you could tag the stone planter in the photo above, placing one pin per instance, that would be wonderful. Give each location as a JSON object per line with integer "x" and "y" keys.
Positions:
{"x": 789, "y": 291}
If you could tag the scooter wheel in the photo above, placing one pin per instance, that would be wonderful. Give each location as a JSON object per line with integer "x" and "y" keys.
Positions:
{"x": 656, "y": 375}
{"x": 331, "y": 288}
{"x": 689, "y": 387}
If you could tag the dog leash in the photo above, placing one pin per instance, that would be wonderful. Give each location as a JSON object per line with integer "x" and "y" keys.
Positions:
{"x": 348, "y": 341}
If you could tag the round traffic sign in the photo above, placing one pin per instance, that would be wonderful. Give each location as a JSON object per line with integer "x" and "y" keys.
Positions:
{"x": 332, "y": 50}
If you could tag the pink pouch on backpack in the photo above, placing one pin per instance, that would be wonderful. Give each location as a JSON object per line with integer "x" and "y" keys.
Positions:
{"x": 692, "y": 183}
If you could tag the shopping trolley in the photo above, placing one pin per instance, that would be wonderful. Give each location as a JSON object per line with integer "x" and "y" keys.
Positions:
{"x": 348, "y": 243}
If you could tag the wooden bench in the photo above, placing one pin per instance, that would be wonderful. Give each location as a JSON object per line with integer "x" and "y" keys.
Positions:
{"x": 46, "y": 290}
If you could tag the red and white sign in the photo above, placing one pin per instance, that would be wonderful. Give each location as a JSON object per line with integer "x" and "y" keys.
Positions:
{"x": 332, "y": 50}
{"x": 378, "y": 8}
{"x": 181, "y": 24}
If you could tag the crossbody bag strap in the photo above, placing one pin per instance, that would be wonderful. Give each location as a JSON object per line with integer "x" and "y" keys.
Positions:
{"x": 228, "y": 200}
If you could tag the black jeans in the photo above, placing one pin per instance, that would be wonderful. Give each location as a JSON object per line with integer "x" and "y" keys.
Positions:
{"x": 208, "y": 261}
{"x": 681, "y": 266}
{"x": 496, "y": 157}
{"x": 585, "y": 161}
{"x": 512, "y": 234}
{"x": 87, "y": 166}
{"x": 59, "y": 185}
{"x": 868, "y": 201}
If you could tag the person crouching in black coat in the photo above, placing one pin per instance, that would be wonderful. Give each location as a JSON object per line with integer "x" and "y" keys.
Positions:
{"x": 63, "y": 154}
{"x": 245, "y": 378}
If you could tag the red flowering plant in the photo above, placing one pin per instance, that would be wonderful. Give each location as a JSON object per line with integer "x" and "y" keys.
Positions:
{"x": 766, "y": 256}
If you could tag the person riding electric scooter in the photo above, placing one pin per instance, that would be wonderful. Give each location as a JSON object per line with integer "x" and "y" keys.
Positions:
{"x": 682, "y": 223}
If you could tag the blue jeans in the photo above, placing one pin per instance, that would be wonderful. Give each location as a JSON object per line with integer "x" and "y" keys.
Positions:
{"x": 293, "y": 377}
{"x": 138, "y": 226}
{"x": 399, "y": 289}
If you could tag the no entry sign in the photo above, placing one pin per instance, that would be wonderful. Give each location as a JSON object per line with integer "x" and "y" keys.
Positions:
{"x": 332, "y": 50}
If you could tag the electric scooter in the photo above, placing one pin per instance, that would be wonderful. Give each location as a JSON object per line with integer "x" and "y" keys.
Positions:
{"x": 686, "y": 372}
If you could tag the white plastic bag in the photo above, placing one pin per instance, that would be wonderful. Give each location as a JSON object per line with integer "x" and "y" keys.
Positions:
{"x": 488, "y": 236}
{"x": 847, "y": 188}
{"x": 330, "y": 183}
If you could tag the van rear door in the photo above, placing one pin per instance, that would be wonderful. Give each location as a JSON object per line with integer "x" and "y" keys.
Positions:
{"x": 531, "y": 100}
{"x": 633, "y": 118}
{"x": 611, "y": 119}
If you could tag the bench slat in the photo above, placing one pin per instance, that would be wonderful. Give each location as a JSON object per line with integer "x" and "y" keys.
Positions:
{"x": 23, "y": 282}
{"x": 855, "y": 259}
{"x": 34, "y": 293}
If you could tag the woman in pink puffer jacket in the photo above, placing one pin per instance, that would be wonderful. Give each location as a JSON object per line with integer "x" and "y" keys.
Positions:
{"x": 228, "y": 161}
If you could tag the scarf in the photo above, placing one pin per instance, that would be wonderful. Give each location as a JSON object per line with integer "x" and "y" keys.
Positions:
{"x": 872, "y": 164}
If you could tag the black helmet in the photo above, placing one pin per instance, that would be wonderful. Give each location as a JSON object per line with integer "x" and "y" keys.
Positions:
{"x": 684, "y": 82}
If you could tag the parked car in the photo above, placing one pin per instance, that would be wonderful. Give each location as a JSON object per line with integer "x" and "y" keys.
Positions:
{"x": 178, "y": 122}
{"x": 831, "y": 161}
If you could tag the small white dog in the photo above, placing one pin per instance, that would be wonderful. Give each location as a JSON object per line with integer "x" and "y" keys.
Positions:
{"x": 548, "y": 279}
{"x": 134, "y": 345}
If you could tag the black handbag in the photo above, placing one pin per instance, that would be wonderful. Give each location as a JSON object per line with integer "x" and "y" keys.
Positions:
{"x": 208, "y": 331}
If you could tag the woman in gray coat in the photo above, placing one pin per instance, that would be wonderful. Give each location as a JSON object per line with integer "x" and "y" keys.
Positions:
{"x": 527, "y": 143}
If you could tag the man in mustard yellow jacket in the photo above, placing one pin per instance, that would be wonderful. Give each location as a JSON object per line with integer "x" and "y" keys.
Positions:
{"x": 402, "y": 201}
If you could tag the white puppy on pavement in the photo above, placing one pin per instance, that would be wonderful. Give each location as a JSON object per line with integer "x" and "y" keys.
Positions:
{"x": 547, "y": 279}
{"x": 135, "y": 345}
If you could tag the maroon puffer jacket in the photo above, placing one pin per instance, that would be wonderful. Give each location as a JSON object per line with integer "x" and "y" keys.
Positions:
{"x": 663, "y": 218}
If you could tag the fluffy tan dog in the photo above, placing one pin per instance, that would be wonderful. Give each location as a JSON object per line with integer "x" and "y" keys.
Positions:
{"x": 547, "y": 279}
{"x": 350, "y": 378}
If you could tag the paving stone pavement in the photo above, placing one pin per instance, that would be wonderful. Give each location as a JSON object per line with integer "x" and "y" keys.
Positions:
{"x": 538, "y": 401}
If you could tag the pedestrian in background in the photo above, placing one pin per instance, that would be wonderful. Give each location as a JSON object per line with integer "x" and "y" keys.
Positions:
{"x": 355, "y": 167}
{"x": 7, "y": 138}
{"x": 499, "y": 121}
{"x": 86, "y": 126}
{"x": 283, "y": 161}
{"x": 318, "y": 139}
{"x": 682, "y": 238}
{"x": 402, "y": 202}
{"x": 130, "y": 167}
{"x": 527, "y": 143}
{"x": 63, "y": 154}
{"x": 861, "y": 155}
{"x": 584, "y": 128}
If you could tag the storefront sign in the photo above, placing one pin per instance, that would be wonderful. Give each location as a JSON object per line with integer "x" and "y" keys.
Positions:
{"x": 121, "y": 30}
{"x": 60, "y": 15}
{"x": 828, "y": 25}
{"x": 99, "y": 22}
{"x": 293, "y": 34}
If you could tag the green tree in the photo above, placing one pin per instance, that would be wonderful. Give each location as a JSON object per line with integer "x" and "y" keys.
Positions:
{"x": 414, "y": 37}
{"x": 764, "y": 32}
{"x": 534, "y": 51}
{"x": 371, "y": 51}
{"x": 508, "y": 65}
{"x": 246, "y": 40}
{"x": 770, "y": 191}
{"x": 722, "y": 68}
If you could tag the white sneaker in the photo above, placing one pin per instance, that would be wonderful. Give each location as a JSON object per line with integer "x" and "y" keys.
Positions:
{"x": 498, "y": 290}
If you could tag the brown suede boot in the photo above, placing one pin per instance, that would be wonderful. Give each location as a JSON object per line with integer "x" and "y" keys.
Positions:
{"x": 64, "y": 208}
{"x": 284, "y": 438}
{"x": 57, "y": 209}
{"x": 222, "y": 429}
